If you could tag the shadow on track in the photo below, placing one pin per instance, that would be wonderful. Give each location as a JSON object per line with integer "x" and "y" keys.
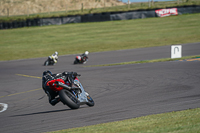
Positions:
{"x": 46, "y": 112}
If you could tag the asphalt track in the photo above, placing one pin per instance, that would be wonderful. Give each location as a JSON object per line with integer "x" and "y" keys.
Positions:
{"x": 120, "y": 92}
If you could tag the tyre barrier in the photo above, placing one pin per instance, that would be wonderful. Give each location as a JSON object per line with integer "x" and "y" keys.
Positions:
{"x": 20, "y": 24}
{"x": 1, "y": 25}
{"x": 71, "y": 19}
{"x": 96, "y": 17}
{"x": 189, "y": 10}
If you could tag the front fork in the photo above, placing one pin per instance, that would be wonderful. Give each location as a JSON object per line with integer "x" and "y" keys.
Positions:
{"x": 75, "y": 94}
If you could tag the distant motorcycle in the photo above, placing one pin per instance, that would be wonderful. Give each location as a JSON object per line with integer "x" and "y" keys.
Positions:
{"x": 75, "y": 95}
{"x": 79, "y": 60}
{"x": 49, "y": 62}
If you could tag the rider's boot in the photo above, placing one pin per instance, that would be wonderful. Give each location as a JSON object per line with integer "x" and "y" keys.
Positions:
{"x": 55, "y": 101}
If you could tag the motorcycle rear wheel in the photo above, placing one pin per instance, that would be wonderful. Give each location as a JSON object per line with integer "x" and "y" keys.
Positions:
{"x": 69, "y": 99}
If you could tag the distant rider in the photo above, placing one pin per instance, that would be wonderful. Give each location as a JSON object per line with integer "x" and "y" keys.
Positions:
{"x": 48, "y": 80}
{"x": 84, "y": 56}
{"x": 54, "y": 57}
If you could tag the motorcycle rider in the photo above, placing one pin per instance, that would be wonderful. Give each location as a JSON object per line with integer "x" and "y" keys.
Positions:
{"x": 84, "y": 56}
{"x": 54, "y": 57}
{"x": 49, "y": 79}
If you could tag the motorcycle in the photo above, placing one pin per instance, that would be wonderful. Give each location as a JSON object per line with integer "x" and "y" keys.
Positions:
{"x": 49, "y": 62}
{"x": 79, "y": 60}
{"x": 74, "y": 95}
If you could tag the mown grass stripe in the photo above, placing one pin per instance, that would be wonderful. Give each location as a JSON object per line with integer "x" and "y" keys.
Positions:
{"x": 190, "y": 58}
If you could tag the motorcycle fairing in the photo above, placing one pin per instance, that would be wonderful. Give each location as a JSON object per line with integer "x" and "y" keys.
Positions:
{"x": 82, "y": 97}
{"x": 78, "y": 57}
{"x": 53, "y": 86}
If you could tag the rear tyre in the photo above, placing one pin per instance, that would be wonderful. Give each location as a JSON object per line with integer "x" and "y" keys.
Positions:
{"x": 90, "y": 101}
{"x": 69, "y": 99}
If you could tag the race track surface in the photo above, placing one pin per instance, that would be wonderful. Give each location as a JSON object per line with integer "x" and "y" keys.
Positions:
{"x": 120, "y": 92}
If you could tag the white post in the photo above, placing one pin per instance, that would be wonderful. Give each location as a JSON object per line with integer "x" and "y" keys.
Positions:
{"x": 149, "y": 4}
{"x": 48, "y": 9}
{"x": 7, "y": 12}
{"x": 0, "y": 9}
{"x": 66, "y": 5}
{"x": 28, "y": 11}
{"x": 128, "y": 4}
{"x": 81, "y": 7}
{"x": 152, "y": 3}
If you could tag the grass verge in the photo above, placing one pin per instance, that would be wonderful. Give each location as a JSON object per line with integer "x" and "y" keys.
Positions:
{"x": 186, "y": 121}
{"x": 146, "y": 61}
{"x": 35, "y": 42}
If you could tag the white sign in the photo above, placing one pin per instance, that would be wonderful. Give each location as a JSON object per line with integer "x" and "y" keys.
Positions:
{"x": 166, "y": 12}
{"x": 176, "y": 51}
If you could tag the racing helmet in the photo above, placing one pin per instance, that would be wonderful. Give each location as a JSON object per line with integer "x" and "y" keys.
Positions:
{"x": 56, "y": 53}
{"x": 86, "y": 52}
{"x": 47, "y": 72}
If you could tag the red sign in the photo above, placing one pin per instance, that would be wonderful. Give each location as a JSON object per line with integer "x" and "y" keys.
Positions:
{"x": 166, "y": 12}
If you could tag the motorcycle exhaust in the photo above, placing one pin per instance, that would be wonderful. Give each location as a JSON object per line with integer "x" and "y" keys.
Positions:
{"x": 67, "y": 87}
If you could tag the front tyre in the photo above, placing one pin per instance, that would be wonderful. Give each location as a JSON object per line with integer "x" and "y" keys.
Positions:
{"x": 69, "y": 99}
{"x": 75, "y": 62}
{"x": 46, "y": 63}
{"x": 90, "y": 101}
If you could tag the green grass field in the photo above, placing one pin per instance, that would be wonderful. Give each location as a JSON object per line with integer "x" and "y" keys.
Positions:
{"x": 186, "y": 121}
{"x": 34, "y": 42}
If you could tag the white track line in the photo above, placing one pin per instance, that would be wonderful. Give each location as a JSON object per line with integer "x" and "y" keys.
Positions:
{"x": 5, "y": 106}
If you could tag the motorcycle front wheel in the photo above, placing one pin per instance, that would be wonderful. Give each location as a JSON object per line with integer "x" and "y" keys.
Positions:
{"x": 69, "y": 99}
{"x": 90, "y": 101}
{"x": 75, "y": 62}
{"x": 46, "y": 63}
